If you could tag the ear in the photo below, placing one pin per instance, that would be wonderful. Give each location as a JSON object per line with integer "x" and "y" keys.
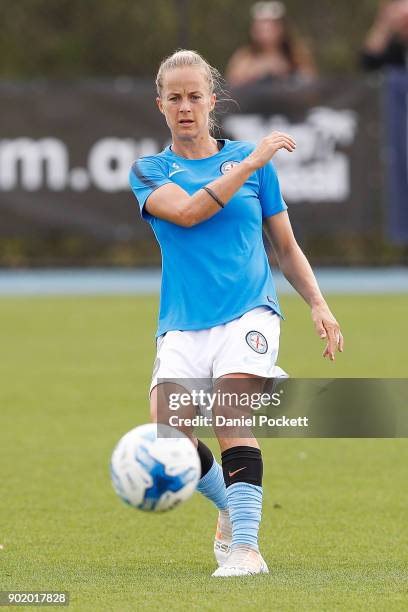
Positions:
{"x": 159, "y": 104}
{"x": 213, "y": 101}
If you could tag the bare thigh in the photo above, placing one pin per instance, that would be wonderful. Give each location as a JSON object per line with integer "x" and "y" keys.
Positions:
{"x": 229, "y": 437}
{"x": 160, "y": 411}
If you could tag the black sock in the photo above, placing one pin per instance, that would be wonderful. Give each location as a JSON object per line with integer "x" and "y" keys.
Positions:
{"x": 206, "y": 457}
{"x": 242, "y": 464}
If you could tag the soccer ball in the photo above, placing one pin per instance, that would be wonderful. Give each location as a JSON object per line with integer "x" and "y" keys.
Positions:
{"x": 152, "y": 473}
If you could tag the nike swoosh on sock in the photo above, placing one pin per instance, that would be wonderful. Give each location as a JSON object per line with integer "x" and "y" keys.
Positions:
{"x": 231, "y": 474}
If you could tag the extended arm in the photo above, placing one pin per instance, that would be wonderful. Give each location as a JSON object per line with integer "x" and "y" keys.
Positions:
{"x": 298, "y": 272}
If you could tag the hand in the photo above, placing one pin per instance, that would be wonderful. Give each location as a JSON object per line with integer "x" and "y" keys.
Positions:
{"x": 269, "y": 146}
{"x": 399, "y": 20}
{"x": 328, "y": 329}
{"x": 389, "y": 16}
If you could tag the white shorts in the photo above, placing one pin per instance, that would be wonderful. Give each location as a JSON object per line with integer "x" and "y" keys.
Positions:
{"x": 247, "y": 345}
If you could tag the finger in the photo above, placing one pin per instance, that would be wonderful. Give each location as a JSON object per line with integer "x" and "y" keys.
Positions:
{"x": 282, "y": 134}
{"x": 279, "y": 146}
{"x": 341, "y": 342}
{"x": 321, "y": 330}
{"x": 279, "y": 136}
{"x": 327, "y": 353}
{"x": 283, "y": 139}
{"x": 286, "y": 144}
{"x": 332, "y": 342}
{"x": 339, "y": 338}
{"x": 275, "y": 137}
{"x": 291, "y": 143}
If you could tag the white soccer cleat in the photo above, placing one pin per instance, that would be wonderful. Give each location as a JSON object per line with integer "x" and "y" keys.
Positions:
{"x": 243, "y": 561}
{"x": 223, "y": 538}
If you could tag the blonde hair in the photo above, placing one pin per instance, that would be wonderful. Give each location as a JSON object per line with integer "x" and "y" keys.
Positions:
{"x": 186, "y": 57}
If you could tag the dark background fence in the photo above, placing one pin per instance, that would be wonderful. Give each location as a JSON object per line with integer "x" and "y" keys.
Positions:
{"x": 77, "y": 107}
{"x": 64, "y": 195}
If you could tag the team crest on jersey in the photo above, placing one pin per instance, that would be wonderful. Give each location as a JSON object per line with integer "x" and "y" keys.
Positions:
{"x": 228, "y": 165}
{"x": 257, "y": 342}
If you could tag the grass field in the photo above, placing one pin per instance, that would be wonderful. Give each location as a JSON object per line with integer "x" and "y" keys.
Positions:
{"x": 74, "y": 377}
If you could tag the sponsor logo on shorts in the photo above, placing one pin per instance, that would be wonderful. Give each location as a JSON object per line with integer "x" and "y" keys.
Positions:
{"x": 257, "y": 342}
{"x": 227, "y": 166}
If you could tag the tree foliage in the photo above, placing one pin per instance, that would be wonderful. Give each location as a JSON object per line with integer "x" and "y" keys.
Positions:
{"x": 70, "y": 38}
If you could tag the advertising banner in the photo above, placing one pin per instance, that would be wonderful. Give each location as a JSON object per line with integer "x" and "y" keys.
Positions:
{"x": 66, "y": 150}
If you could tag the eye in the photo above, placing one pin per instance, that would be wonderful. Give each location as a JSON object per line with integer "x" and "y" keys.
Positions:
{"x": 194, "y": 97}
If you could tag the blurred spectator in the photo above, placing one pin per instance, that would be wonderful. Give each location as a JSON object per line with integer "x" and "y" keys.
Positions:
{"x": 386, "y": 43}
{"x": 274, "y": 51}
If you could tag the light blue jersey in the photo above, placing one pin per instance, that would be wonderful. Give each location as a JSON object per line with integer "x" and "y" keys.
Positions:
{"x": 217, "y": 270}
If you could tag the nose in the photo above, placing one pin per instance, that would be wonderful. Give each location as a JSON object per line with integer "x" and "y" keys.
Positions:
{"x": 185, "y": 105}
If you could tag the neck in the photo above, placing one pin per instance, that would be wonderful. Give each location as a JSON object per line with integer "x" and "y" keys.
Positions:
{"x": 270, "y": 48}
{"x": 273, "y": 48}
{"x": 195, "y": 148}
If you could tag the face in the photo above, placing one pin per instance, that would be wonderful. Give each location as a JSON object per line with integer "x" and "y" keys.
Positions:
{"x": 267, "y": 32}
{"x": 186, "y": 102}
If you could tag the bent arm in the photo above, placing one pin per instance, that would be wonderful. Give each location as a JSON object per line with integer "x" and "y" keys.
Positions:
{"x": 299, "y": 273}
{"x": 172, "y": 203}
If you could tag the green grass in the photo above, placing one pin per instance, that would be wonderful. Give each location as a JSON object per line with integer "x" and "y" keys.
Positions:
{"x": 74, "y": 377}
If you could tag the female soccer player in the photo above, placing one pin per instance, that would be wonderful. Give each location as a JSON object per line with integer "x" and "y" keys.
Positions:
{"x": 219, "y": 316}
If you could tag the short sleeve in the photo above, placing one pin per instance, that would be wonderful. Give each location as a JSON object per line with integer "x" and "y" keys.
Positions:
{"x": 270, "y": 194}
{"x": 147, "y": 175}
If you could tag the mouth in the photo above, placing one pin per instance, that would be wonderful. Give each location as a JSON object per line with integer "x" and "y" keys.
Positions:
{"x": 186, "y": 122}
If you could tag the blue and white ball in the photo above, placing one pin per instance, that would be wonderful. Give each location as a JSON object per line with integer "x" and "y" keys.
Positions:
{"x": 155, "y": 473}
